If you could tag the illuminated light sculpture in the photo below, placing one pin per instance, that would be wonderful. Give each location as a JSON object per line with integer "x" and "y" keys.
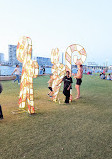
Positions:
{"x": 58, "y": 71}
{"x": 78, "y": 60}
{"x": 30, "y": 70}
{"x": 68, "y": 56}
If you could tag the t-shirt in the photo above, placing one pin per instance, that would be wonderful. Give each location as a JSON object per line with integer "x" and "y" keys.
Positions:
{"x": 67, "y": 81}
{"x": 44, "y": 69}
{"x": 108, "y": 77}
{"x": 17, "y": 71}
{"x": 102, "y": 76}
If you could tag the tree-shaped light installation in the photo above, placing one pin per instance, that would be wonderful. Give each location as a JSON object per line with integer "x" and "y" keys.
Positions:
{"x": 30, "y": 70}
{"x": 58, "y": 71}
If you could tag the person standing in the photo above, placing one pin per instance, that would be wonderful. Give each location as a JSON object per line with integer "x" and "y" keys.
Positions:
{"x": 1, "y": 114}
{"x": 67, "y": 85}
{"x": 44, "y": 70}
{"x": 78, "y": 77}
{"x": 17, "y": 73}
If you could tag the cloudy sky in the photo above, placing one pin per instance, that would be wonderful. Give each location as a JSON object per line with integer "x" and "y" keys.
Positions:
{"x": 59, "y": 23}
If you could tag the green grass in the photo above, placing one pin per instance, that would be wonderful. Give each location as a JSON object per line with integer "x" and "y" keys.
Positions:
{"x": 81, "y": 130}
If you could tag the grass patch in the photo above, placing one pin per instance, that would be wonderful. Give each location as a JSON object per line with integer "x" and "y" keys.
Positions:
{"x": 81, "y": 130}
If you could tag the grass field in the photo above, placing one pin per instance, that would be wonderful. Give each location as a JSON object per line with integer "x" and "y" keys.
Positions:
{"x": 80, "y": 130}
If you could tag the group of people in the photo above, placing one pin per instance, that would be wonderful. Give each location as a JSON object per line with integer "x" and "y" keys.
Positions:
{"x": 68, "y": 84}
{"x": 104, "y": 76}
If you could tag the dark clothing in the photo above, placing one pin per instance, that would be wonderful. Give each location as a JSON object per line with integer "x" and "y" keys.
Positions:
{"x": 1, "y": 115}
{"x": 50, "y": 89}
{"x": 67, "y": 94}
{"x": 67, "y": 82}
{"x": 78, "y": 81}
{"x": 43, "y": 70}
{"x": 1, "y": 88}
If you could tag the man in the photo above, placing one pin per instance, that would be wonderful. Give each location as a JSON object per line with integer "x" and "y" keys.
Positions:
{"x": 17, "y": 73}
{"x": 78, "y": 80}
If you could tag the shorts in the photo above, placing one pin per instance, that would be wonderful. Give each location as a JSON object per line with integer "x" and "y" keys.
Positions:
{"x": 50, "y": 89}
{"x": 78, "y": 81}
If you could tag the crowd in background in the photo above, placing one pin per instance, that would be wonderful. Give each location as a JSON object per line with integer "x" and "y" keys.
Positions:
{"x": 104, "y": 76}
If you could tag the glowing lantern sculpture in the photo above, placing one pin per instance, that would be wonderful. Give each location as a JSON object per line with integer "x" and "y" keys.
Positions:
{"x": 68, "y": 56}
{"x": 30, "y": 70}
{"x": 78, "y": 60}
{"x": 58, "y": 71}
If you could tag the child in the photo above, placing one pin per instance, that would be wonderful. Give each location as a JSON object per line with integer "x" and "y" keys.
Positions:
{"x": 78, "y": 80}
{"x": 67, "y": 85}
{"x": 50, "y": 82}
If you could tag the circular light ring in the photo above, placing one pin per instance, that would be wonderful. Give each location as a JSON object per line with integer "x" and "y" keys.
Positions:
{"x": 72, "y": 48}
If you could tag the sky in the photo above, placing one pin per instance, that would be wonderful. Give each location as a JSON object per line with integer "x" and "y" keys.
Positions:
{"x": 58, "y": 24}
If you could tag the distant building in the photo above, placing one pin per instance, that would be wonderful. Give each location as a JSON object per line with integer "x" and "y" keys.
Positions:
{"x": 12, "y": 55}
{"x": 44, "y": 61}
{"x": 92, "y": 64}
{"x": 1, "y": 58}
